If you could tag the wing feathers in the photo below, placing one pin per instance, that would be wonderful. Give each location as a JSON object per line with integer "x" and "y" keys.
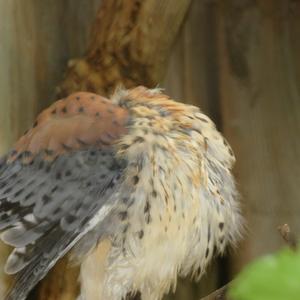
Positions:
{"x": 53, "y": 186}
{"x": 80, "y": 121}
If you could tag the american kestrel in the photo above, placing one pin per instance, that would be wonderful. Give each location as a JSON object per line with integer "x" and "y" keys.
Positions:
{"x": 138, "y": 189}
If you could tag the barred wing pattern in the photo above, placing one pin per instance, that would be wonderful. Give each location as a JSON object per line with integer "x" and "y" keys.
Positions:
{"x": 52, "y": 185}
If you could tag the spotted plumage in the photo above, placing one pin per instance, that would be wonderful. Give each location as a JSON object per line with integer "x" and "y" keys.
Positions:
{"x": 138, "y": 189}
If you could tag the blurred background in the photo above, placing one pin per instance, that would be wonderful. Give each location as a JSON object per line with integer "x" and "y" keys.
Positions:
{"x": 238, "y": 60}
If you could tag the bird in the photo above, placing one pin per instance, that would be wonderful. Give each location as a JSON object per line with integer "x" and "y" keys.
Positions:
{"x": 137, "y": 189}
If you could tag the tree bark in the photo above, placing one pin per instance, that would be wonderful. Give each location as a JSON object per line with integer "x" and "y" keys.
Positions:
{"x": 130, "y": 45}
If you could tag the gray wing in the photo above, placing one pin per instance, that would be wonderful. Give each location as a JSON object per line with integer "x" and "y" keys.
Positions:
{"x": 46, "y": 207}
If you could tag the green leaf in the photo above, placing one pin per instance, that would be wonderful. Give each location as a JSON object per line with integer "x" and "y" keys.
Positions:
{"x": 273, "y": 277}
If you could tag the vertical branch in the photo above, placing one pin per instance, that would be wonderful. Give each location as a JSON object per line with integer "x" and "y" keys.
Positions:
{"x": 130, "y": 44}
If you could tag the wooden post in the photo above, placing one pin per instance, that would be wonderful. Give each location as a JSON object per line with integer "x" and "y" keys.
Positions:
{"x": 260, "y": 95}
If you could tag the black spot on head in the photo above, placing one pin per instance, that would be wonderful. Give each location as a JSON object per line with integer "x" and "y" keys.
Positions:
{"x": 135, "y": 179}
{"x": 64, "y": 110}
{"x": 141, "y": 234}
{"x": 154, "y": 193}
{"x": 221, "y": 225}
{"x": 123, "y": 215}
{"x": 81, "y": 109}
{"x": 77, "y": 98}
{"x": 221, "y": 240}
{"x": 97, "y": 114}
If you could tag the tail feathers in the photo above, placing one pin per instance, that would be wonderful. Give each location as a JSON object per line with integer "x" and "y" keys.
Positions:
{"x": 32, "y": 273}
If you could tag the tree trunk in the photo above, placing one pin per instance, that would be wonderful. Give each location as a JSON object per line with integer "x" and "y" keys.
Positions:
{"x": 130, "y": 45}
